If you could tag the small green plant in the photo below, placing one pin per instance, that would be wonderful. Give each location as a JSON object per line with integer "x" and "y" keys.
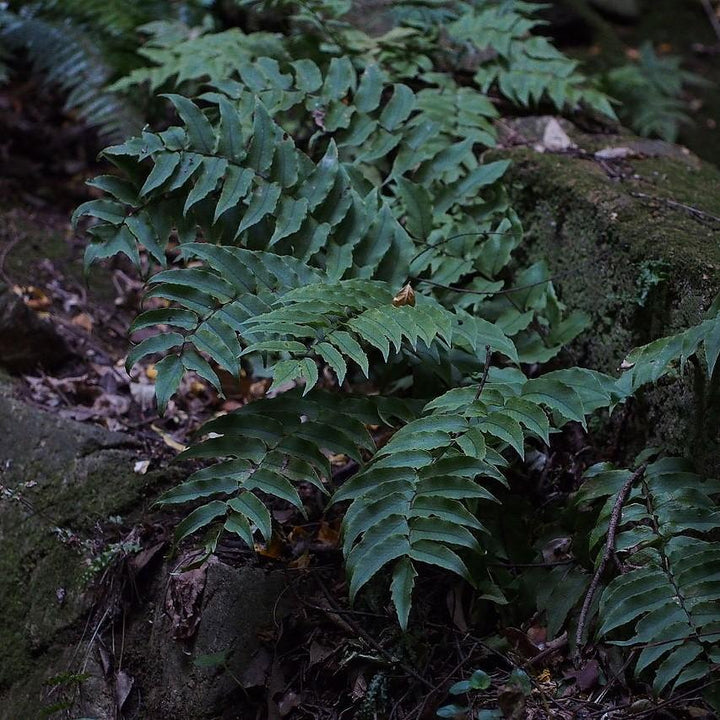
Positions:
{"x": 109, "y": 555}
{"x": 652, "y": 274}
{"x": 651, "y": 93}
{"x": 477, "y": 682}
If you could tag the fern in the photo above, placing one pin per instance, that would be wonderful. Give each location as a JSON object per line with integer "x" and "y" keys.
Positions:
{"x": 651, "y": 93}
{"x": 302, "y": 196}
{"x": 269, "y": 443}
{"x": 180, "y": 57}
{"x": 495, "y": 38}
{"x": 81, "y": 46}
{"x": 668, "y": 355}
{"x": 68, "y": 59}
{"x": 665, "y": 604}
{"x": 408, "y": 502}
{"x": 311, "y": 258}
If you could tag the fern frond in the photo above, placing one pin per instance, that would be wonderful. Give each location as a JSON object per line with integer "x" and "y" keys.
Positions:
{"x": 408, "y": 503}
{"x": 651, "y": 93}
{"x": 525, "y": 68}
{"x": 67, "y": 58}
{"x": 180, "y": 57}
{"x": 665, "y": 605}
{"x": 647, "y": 364}
{"x": 268, "y": 448}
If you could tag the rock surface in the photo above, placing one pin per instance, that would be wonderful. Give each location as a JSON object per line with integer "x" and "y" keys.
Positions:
{"x": 27, "y": 340}
{"x": 59, "y": 481}
{"x": 633, "y": 240}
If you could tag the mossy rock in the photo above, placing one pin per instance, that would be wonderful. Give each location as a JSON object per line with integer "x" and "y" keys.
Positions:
{"x": 632, "y": 241}
{"x": 59, "y": 479}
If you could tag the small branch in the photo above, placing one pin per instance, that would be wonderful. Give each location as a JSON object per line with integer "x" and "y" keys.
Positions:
{"x": 369, "y": 639}
{"x": 696, "y": 212}
{"x": 608, "y": 552}
{"x": 549, "y": 649}
{"x": 486, "y": 372}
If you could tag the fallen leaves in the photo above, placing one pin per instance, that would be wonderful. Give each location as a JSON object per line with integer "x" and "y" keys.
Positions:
{"x": 34, "y": 297}
{"x": 184, "y": 598}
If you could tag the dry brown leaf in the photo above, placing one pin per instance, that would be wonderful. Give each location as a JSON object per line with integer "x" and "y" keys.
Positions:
{"x": 84, "y": 321}
{"x": 405, "y": 297}
{"x": 168, "y": 439}
{"x": 301, "y": 562}
{"x": 273, "y": 550}
{"x": 33, "y": 297}
{"x": 123, "y": 687}
{"x": 184, "y": 599}
{"x": 328, "y": 535}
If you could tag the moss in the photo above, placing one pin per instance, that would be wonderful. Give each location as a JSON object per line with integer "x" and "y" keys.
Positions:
{"x": 598, "y": 237}
{"x": 32, "y": 239}
{"x": 59, "y": 474}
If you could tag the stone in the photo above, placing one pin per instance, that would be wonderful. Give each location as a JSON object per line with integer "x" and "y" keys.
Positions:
{"x": 59, "y": 479}
{"x": 603, "y": 224}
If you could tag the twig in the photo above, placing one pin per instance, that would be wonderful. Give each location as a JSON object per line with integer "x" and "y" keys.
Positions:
{"x": 507, "y": 291}
{"x": 369, "y": 639}
{"x": 607, "y": 552}
{"x": 712, "y": 17}
{"x": 675, "y": 204}
{"x": 549, "y": 649}
{"x": 486, "y": 372}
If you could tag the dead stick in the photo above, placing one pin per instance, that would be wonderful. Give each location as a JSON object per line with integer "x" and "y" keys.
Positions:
{"x": 607, "y": 552}
{"x": 675, "y": 204}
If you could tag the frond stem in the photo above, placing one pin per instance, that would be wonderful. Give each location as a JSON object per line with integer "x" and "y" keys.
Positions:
{"x": 607, "y": 552}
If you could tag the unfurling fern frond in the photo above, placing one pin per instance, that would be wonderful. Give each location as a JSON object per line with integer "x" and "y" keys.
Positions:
{"x": 665, "y": 604}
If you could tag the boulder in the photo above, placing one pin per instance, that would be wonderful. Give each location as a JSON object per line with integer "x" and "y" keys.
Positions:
{"x": 61, "y": 484}
{"x": 27, "y": 339}
{"x": 630, "y": 230}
